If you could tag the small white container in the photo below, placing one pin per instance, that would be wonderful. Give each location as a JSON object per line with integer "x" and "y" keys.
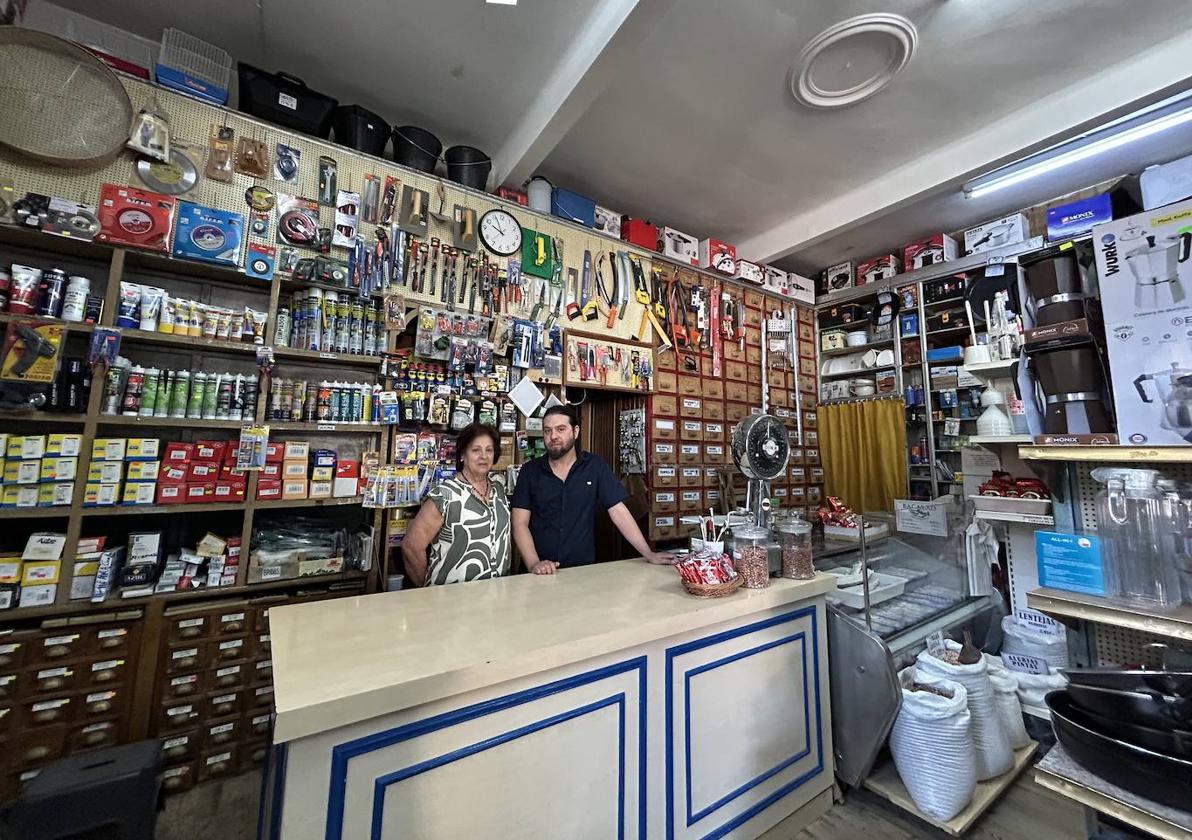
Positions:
{"x": 74, "y": 301}
{"x": 538, "y": 194}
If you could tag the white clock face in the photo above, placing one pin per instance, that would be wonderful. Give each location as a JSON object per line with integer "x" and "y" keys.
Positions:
{"x": 500, "y": 232}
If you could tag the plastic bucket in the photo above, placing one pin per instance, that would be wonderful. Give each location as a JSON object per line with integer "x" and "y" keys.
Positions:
{"x": 416, "y": 148}
{"x": 468, "y": 166}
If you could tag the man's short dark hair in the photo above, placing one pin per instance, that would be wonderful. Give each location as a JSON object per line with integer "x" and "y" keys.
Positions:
{"x": 567, "y": 411}
{"x": 468, "y": 434}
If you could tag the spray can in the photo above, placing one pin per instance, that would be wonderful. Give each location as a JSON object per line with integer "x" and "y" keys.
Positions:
{"x": 281, "y": 332}
{"x": 180, "y": 394}
{"x": 356, "y": 334}
{"x": 194, "y": 404}
{"x": 317, "y": 322}
{"x": 130, "y": 404}
{"x": 323, "y": 403}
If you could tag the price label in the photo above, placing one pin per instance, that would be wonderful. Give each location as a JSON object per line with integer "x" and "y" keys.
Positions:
{"x": 1024, "y": 664}
{"x": 327, "y": 356}
{"x": 1038, "y": 622}
{"x": 271, "y": 573}
{"x": 327, "y": 427}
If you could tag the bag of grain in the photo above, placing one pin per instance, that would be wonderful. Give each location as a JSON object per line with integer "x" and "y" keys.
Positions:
{"x": 932, "y": 744}
{"x": 1005, "y": 698}
{"x": 990, "y": 742}
{"x": 1029, "y": 641}
{"x": 1032, "y": 688}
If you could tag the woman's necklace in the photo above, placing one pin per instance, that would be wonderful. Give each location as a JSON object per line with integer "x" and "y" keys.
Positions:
{"x": 485, "y": 497}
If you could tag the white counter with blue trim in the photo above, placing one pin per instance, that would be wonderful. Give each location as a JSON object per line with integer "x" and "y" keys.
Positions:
{"x": 602, "y": 702}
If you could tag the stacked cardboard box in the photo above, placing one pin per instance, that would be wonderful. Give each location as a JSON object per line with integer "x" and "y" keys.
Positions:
{"x": 38, "y": 470}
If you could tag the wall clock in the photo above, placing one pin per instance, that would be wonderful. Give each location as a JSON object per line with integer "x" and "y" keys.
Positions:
{"x": 500, "y": 232}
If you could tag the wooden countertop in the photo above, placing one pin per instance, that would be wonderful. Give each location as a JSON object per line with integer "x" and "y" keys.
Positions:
{"x": 346, "y": 660}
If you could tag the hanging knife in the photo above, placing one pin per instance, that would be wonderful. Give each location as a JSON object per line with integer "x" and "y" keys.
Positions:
{"x": 434, "y": 265}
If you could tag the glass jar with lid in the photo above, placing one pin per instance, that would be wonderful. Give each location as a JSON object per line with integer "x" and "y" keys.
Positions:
{"x": 795, "y": 536}
{"x": 750, "y": 555}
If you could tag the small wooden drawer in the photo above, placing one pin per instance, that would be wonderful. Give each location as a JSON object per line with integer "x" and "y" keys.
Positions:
{"x": 179, "y": 777}
{"x": 665, "y": 501}
{"x": 664, "y": 452}
{"x": 230, "y": 676}
{"x": 711, "y": 476}
{"x": 715, "y": 453}
{"x": 260, "y": 622}
{"x": 59, "y": 645}
{"x": 216, "y": 733}
{"x": 231, "y": 622}
{"x": 13, "y": 686}
{"x": 666, "y": 381}
{"x": 54, "y": 680}
{"x": 811, "y": 437}
{"x": 815, "y": 494}
{"x": 178, "y": 716}
{"x": 665, "y": 475}
{"x": 691, "y": 407}
{"x": 107, "y": 671}
{"x": 665, "y": 360}
{"x": 180, "y": 747}
{"x": 798, "y": 475}
{"x": 753, "y": 319}
{"x": 111, "y": 641}
{"x": 262, "y": 644}
{"x": 810, "y": 420}
{"x": 229, "y": 649}
{"x": 780, "y": 493}
{"x": 798, "y": 494}
{"x": 714, "y": 431}
{"x": 736, "y": 391}
{"x": 258, "y": 725}
{"x": 806, "y": 334}
{"x": 38, "y": 746}
{"x": 714, "y": 388}
{"x": 182, "y": 686}
{"x": 776, "y": 378}
{"x": 662, "y": 527}
{"x": 223, "y": 703}
{"x": 664, "y": 428}
{"x": 806, "y": 367}
{"x": 754, "y": 299}
{"x": 735, "y": 412}
{"x": 260, "y": 696}
{"x": 186, "y": 657}
{"x": 92, "y": 736}
{"x": 816, "y": 475}
{"x": 691, "y": 500}
{"x": 811, "y": 456}
{"x": 713, "y": 410}
{"x": 780, "y": 397}
{"x": 253, "y": 753}
{"x": 262, "y": 671}
{"x": 711, "y": 497}
{"x": 733, "y": 352}
{"x": 753, "y": 394}
{"x": 13, "y": 647}
{"x": 187, "y": 628}
{"x": 690, "y": 386}
{"x": 47, "y": 711}
{"x": 217, "y": 763}
{"x": 105, "y": 703}
{"x": 691, "y": 430}
{"x": 664, "y": 405}
{"x": 753, "y": 355}
{"x": 691, "y": 477}
{"x": 805, "y": 315}
{"x": 735, "y": 371}
{"x": 690, "y": 453}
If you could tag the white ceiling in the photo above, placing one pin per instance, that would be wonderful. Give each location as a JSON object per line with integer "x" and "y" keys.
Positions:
{"x": 680, "y": 111}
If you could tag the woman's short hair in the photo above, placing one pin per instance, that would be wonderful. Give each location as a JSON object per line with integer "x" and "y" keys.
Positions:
{"x": 468, "y": 434}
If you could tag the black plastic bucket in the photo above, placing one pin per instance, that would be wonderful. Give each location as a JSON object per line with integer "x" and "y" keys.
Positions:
{"x": 360, "y": 129}
{"x": 468, "y": 166}
{"x": 416, "y": 148}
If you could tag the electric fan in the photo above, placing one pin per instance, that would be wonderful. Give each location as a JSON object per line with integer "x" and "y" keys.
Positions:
{"x": 760, "y": 450}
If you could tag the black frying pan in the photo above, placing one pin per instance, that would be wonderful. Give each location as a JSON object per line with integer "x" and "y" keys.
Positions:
{"x": 1174, "y": 742}
{"x": 1176, "y": 683}
{"x": 1145, "y": 708}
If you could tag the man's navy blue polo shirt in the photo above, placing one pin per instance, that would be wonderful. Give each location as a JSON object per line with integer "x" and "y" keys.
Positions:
{"x": 562, "y": 514}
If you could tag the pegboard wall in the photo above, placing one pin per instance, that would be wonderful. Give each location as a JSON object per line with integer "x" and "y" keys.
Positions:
{"x": 192, "y": 123}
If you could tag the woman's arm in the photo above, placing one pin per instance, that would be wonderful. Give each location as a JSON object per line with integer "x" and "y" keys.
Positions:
{"x": 422, "y": 530}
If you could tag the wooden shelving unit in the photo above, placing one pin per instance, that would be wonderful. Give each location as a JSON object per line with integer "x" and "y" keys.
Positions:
{"x": 1108, "y": 454}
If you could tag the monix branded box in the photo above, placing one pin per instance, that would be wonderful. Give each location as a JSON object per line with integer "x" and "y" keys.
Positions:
{"x": 1145, "y": 275}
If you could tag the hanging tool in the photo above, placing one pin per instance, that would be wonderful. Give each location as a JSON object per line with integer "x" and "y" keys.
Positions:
{"x": 449, "y": 282}
{"x": 434, "y": 265}
{"x": 591, "y": 305}
{"x": 471, "y": 264}
{"x": 423, "y": 259}
{"x": 643, "y": 297}
{"x": 439, "y": 215}
{"x": 626, "y": 279}
{"x": 573, "y": 306}
{"x": 413, "y": 211}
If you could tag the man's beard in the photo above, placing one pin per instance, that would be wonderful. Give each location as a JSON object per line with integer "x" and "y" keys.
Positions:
{"x": 554, "y": 456}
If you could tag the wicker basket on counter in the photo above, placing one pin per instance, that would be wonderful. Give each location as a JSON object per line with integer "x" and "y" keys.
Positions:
{"x": 713, "y": 590}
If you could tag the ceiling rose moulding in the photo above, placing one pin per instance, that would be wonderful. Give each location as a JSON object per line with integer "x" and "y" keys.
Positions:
{"x": 1159, "y": 72}
{"x": 852, "y": 60}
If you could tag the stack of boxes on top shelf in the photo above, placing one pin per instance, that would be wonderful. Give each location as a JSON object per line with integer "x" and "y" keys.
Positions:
{"x": 200, "y": 472}
{"x": 692, "y": 413}
{"x": 39, "y": 470}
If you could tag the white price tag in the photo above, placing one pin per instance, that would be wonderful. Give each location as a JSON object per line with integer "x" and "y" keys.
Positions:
{"x": 326, "y": 427}
{"x": 1024, "y": 664}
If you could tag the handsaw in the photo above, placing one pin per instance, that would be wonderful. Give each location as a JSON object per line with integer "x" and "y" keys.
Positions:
{"x": 589, "y": 308}
{"x": 626, "y": 278}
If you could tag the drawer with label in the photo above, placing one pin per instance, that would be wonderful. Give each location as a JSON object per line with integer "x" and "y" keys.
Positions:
{"x": 715, "y": 453}
{"x": 662, "y": 527}
{"x": 665, "y": 360}
{"x": 13, "y": 647}
{"x": 691, "y": 501}
{"x": 220, "y": 732}
{"x": 187, "y": 628}
{"x": 258, "y": 725}
{"x": 713, "y": 432}
{"x": 691, "y": 430}
{"x": 181, "y": 686}
{"x": 111, "y": 641}
{"x": 215, "y": 764}
{"x": 691, "y": 407}
{"x": 229, "y": 676}
{"x": 58, "y": 645}
{"x": 753, "y": 355}
{"x": 223, "y": 703}
{"x": 691, "y": 476}
{"x": 664, "y": 452}
{"x": 665, "y": 475}
{"x": 179, "y": 777}
{"x": 260, "y": 696}
{"x": 107, "y": 671}
{"x": 664, "y": 428}
{"x": 12, "y": 685}
{"x": 104, "y": 703}
{"x": 54, "y": 680}
{"x": 690, "y": 453}
{"x": 733, "y": 352}
{"x": 262, "y": 644}
{"x": 180, "y": 747}
{"x": 229, "y": 650}
{"x": 39, "y": 745}
{"x": 92, "y": 736}
{"x": 186, "y": 657}
{"x": 253, "y": 753}
{"x": 46, "y": 711}
{"x": 711, "y": 476}
{"x": 811, "y": 456}
{"x": 810, "y": 420}
{"x": 665, "y": 501}
{"x": 262, "y": 671}
{"x": 230, "y": 622}
{"x": 735, "y": 412}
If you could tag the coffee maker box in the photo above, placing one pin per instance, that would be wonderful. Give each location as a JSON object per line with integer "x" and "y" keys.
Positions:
{"x": 1145, "y": 275}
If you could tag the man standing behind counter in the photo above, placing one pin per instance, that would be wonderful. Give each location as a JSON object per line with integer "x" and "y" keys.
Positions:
{"x": 554, "y": 503}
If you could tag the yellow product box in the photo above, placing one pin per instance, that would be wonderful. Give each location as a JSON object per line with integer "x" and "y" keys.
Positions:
{"x": 142, "y": 471}
{"x": 142, "y": 449}
{"x": 293, "y": 488}
{"x": 320, "y": 490}
{"x": 293, "y": 469}
{"x": 55, "y": 494}
{"x": 108, "y": 449}
{"x": 105, "y": 472}
{"x": 40, "y": 572}
{"x": 12, "y": 446}
{"x": 22, "y": 472}
{"x": 322, "y": 473}
{"x": 100, "y": 495}
{"x": 19, "y": 496}
{"x": 139, "y": 493}
{"x": 59, "y": 469}
{"x": 64, "y": 445}
{"x": 26, "y": 446}
{"x": 10, "y": 569}
{"x": 82, "y": 582}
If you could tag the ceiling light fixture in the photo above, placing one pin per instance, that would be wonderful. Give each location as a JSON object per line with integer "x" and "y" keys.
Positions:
{"x": 1121, "y": 132}
{"x": 501, "y": 2}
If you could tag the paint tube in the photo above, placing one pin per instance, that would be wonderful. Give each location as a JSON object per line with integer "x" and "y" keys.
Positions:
{"x": 25, "y": 283}
{"x": 168, "y": 310}
{"x": 224, "y": 326}
{"x": 128, "y": 311}
{"x": 210, "y": 321}
{"x": 194, "y": 319}
{"x": 258, "y": 325}
{"x": 151, "y": 301}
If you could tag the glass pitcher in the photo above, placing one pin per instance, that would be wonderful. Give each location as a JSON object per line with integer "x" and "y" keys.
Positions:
{"x": 1134, "y": 520}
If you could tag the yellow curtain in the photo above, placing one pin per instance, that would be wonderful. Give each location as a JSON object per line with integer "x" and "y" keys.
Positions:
{"x": 863, "y": 447}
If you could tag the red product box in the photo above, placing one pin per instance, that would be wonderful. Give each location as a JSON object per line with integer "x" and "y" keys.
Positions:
{"x": 230, "y": 491}
{"x": 718, "y": 256}
{"x": 878, "y": 268}
{"x": 172, "y": 473}
{"x": 210, "y": 450}
{"x": 199, "y": 491}
{"x": 128, "y": 216}
{"x": 271, "y": 470}
{"x": 510, "y": 194}
{"x": 178, "y": 452}
{"x": 642, "y": 234}
{"x": 268, "y": 488}
{"x": 202, "y": 471}
{"x": 228, "y": 472}
{"x": 275, "y": 452}
{"x": 230, "y": 453}
{"x": 347, "y": 468}
{"x": 931, "y": 251}
{"x": 170, "y": 494}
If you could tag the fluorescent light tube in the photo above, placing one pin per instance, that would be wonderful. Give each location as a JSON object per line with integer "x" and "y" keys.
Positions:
{"x": 1097, "y": 142}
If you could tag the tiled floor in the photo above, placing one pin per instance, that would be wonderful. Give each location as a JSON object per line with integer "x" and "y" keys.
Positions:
{"x": 227, "y": 810}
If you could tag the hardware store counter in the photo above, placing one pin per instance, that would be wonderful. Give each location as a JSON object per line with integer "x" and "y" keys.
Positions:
{"x": 600, "y": 702}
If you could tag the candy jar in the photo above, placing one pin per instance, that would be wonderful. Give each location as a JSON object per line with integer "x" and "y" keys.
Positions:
{"x": 795, "y": 536}
{"x": 750, "y": 555}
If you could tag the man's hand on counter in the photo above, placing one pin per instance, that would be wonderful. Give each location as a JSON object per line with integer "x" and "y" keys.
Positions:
{"x": 544, "y": 567}
{"x": 662, "y": 558}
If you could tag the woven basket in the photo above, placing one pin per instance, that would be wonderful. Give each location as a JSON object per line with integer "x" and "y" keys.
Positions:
{"x": 713, "y": 590}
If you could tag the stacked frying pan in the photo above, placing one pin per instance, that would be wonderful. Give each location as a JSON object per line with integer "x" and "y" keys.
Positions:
{"x": 1131, "y": 728}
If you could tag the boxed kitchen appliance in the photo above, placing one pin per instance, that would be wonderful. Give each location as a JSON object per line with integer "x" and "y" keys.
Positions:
{"x": 931, "y": 251}
{"x": 718, "y": 256}
{"x": 878, "y": 268}
{"x": 607, "y": 222}
{"x": 800, "y": 288}
{"x": 678, "y": 245}
{"x": 1166, "y": 183}
{"x": 751, "y": 272}
{"x": 838, "y": 277}
{"x": 1008, "y": 230}
{"x": 775, "y": 280}
{"x": 1145, "y": 277}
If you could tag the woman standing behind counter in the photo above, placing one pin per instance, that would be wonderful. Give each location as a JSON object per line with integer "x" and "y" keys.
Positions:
{"x": 461, "y": 531}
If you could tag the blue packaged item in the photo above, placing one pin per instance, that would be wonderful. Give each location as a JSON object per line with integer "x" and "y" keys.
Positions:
{"x": 1071, "y": 562}
{"x": 945, "y": 354}
{"x": 206, "y": 234}
{"x": 573, "y": 207}
{"x": 1067, "y": 220}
